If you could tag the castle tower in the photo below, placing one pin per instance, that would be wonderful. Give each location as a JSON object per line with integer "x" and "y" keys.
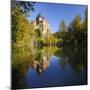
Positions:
{"x": 43, "y": 24}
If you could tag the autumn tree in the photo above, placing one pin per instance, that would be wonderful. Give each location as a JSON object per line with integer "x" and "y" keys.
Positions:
{"x": 22, "y": 30}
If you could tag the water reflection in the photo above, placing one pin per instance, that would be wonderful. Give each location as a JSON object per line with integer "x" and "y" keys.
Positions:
{"x": 49, "y": 66}
{"x": 42, "y": 59}
{"x": 74, "y": 56}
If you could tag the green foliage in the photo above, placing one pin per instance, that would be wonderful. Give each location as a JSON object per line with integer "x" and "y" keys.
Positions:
{"x": 23, "y": 34}
{"x": 75, "y": 34}
{"x": 62, "y": 26}
{"x": 38, "y": 33}
{"x": 63, "y": 29}
{"x": 76, "y": 23}
{"x": 78, "y": 29}
{"x": 24, "y": 6}
{"x": 50, "y": 39}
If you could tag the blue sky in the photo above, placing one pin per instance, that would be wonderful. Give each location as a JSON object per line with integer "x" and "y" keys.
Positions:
{"x": 54, "y": 13}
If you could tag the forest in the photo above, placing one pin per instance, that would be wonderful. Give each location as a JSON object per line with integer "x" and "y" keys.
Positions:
{"x": 24, "y": 35}
{"x": 57, "y": 59}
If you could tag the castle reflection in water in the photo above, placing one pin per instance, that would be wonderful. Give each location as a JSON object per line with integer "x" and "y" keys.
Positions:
{"x": 39, "y": 59}
{"x": 42, "y": 65}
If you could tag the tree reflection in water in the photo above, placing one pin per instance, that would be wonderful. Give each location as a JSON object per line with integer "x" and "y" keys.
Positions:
{"x": 74, "y": 56}
{"x": 39, "y": 59}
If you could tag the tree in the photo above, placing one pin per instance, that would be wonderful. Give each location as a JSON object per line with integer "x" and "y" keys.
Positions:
{"x": 76, "y": 24}
{"x": 50, "y": 39}
{"x": 63, "y": 30}
{"x": 23, "y": 34}
{"x": 62, "y": 26}
{"x": 24, "y": 6}
{"x": 22, "y": 30}
{"x": 84, "y": 29}
{"x": 85, "y": 21}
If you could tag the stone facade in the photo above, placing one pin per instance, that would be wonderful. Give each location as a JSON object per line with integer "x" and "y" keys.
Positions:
{"x": 41, "y": 24}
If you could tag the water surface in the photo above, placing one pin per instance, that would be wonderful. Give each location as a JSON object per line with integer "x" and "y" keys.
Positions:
{"x": 49, "y": 67}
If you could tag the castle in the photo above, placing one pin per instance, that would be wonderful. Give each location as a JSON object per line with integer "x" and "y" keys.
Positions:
{"x": 41, "y": 24}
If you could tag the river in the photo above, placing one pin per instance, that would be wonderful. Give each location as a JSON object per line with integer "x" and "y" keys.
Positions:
{"x": 49, "y": 67}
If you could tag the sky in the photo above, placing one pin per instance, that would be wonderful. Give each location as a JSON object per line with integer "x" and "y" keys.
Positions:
{"x": 54, "y": 13}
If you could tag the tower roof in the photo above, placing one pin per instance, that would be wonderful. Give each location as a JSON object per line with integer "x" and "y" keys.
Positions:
{"x": 39, "y": 15}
